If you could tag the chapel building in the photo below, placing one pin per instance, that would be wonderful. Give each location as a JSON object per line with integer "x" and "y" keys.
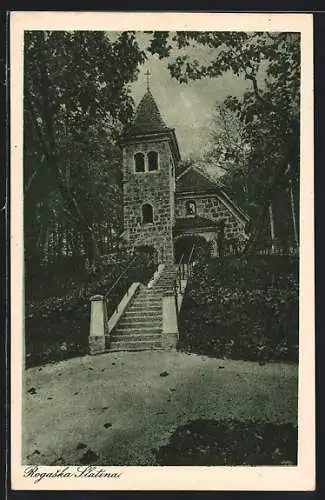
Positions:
{"x": 164, "y": 210}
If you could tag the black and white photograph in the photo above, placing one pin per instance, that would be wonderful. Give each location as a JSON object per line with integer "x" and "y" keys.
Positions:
{"x": 161, "y": 250}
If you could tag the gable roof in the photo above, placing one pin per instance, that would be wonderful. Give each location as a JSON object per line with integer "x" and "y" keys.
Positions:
{"x": 195, "y": 182}
{"x": 147, "y": 117}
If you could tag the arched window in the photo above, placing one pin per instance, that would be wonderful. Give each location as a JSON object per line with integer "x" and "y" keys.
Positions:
{"x": 152, "y": 161}
{"x": 190, "y": 207}
{"x": 139, "y": 162}
{"x": 147, "y": 213}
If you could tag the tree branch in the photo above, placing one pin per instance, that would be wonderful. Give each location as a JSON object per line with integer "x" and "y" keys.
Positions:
{"x": 253, "y": 79}
{"x": 257, "y": 92}
{"x": 279, "y": 37}
{"x": 30, "y": 181}
{"x": 30, "y": 109}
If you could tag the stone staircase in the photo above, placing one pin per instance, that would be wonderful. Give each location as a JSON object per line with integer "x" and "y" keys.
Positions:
{"x": 141, "y": 326}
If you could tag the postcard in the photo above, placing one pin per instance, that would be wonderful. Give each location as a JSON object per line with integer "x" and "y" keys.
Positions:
{"x": 162, "y": 251}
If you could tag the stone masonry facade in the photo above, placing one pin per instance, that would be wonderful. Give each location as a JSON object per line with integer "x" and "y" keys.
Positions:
{"x": 154, "y": 201}
{"x": 211, "y": 207}
{"x": 156, "y": 188}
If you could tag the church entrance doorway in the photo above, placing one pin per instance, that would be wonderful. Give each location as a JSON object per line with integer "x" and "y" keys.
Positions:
{"x": 183, "y": 247}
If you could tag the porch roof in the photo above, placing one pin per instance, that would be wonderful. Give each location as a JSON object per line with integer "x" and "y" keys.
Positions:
{"x": 194, "y": 223}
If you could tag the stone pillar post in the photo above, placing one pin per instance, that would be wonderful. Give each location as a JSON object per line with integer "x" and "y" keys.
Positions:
{"x": 170, "y": 323}
{"x": 97, "y": 325}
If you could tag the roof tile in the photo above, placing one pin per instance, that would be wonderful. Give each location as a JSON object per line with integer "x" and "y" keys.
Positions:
{"x": 194, "y": 181}
{"x": 147, "y": 118}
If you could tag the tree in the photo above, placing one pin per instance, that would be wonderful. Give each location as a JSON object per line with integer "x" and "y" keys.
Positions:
{"x": 270, "y": 110}
{"x": 227, "y": 154}
{"x": 76, "y": 102}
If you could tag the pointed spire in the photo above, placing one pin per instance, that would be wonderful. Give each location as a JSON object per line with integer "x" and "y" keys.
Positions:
{"x": 147, "y": 118}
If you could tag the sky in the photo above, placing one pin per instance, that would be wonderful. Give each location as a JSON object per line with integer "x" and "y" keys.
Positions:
{"x": 188, "y": 108}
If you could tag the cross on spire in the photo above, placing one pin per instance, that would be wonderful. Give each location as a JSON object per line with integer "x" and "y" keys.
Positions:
{"x": 148, "y": 74}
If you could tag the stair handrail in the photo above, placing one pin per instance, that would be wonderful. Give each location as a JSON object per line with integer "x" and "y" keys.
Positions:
{"x": 180, "y": 261}
{"x": 190, "y": 263}
{"x": 191, "y": 252}
{"x": 120, "y": 277}
{"x": 179, "y": 273}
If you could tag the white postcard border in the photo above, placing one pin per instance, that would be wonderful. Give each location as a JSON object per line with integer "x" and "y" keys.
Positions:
{"x": 301, "y": 477}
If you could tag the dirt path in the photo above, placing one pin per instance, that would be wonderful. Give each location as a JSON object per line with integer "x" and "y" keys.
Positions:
{"x": 118, "y": 406}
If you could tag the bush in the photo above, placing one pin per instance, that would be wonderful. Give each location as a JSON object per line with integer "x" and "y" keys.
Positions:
{"x": 256, "y": 272}
{"x": 230, "y": 442}
{"x": 57, "y": 328}
{"x": 232, "y": 311}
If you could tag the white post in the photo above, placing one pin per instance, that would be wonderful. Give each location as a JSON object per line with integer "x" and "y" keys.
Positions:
{"x": 170, "y": 326}
{"x": 97, "y": 325}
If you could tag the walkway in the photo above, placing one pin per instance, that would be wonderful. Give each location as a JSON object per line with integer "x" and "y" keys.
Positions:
{"x": 119, "y": 407}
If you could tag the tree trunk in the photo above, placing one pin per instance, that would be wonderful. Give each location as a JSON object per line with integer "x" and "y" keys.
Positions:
{"x": 47, "y": 142}
{"x": 91, "y": 246}
{"x": 275, "y": 181}
{"x": 272, "y": 226}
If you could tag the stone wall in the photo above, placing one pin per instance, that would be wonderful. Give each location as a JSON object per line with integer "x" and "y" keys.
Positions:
{"x": 212, "y": 208}
{"x": 154, "y": 188}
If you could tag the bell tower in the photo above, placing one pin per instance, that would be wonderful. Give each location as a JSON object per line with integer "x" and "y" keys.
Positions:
{"x": 150, "y": 153}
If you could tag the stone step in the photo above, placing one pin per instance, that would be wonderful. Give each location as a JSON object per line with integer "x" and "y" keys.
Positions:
{"x": 146, "y": 295}
{"x": 145, "y": 313}
{"x": 140, "y": 337}
{"x": 135, "y": 345}
{"x": 141, "y": 308}
{"x": 162, "y": 285}
{"x": 139, "y": 323}
{"x": 164, "y": 280}
{"x": 156, "y": 300}
{"x": 137, "y": 331}
{"x": 147, "y": 320}
{"x": 140, "y": 327}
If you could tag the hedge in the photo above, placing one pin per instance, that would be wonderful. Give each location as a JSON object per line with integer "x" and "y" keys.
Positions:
{"x": 57, "y": 327}
{"x": 232, "y": 310}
